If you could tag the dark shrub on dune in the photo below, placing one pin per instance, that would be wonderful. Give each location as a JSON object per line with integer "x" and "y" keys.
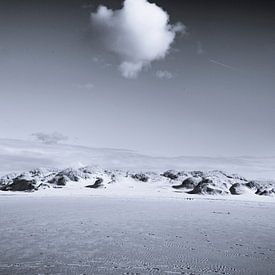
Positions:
{"x": 188, "y": 183}
{"x": 19, "y": 184}
{"x": 59, "y": 180}
{"x": 204, "y": 188}
{"x": 266, "y": 192}
{"x": 140, "y": 177}
{"x": 97, "y": 184}
{"x": 172, "y": 175}
{"x": 237, "y": 189}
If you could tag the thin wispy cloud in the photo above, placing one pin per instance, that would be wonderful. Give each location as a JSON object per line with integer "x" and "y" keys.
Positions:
{"x": 85, "y": 86}
{"x": 49, "y": 138}
{"x": 200, "y": 49}
{"x": 96, "y": 59}
{"x": 164, "y": 75}
{"x": 87, "y": 6}
{"x": 138, "y": 34}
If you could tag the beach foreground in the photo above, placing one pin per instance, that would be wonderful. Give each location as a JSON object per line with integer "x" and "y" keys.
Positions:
{"x": 101, "y": 235}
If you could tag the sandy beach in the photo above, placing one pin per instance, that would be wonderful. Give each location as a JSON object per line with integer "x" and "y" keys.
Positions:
{"x": 103, "y": 235}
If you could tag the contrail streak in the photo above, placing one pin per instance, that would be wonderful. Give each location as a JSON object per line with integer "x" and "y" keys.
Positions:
{"x": 223, "y": 65}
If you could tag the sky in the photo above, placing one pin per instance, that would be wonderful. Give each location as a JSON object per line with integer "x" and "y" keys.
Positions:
{"x": 200, "y": 84}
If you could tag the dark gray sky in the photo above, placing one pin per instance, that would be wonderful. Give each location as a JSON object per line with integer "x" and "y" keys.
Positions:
{"x": 220, "y": 100}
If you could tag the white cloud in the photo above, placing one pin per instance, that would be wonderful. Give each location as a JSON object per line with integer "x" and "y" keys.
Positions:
{"x": 131, "y": 69}
{"x": 52, "y": 138}
{"x": 139, "y": 33}
{"x": 164, "y": 75}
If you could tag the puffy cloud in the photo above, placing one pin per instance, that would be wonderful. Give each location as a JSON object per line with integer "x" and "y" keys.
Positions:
{"x": 164, "y": 75}
{"x": 52, "y": 138}
{"x": 139, "y": 33}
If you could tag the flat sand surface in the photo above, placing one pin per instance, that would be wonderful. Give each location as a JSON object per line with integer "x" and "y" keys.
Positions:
{"x": 97, "y": 235}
